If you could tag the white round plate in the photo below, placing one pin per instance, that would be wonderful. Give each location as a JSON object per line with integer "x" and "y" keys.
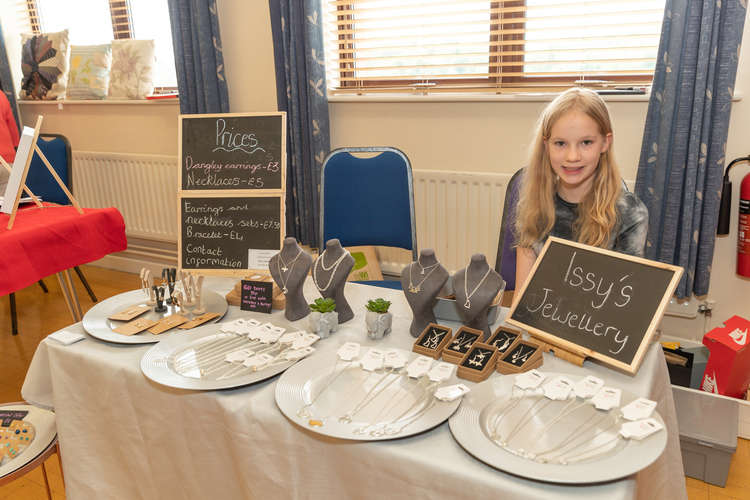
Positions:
{"x": 96, "y": 321}
{"x": 158, "y": 363}
{"x": 471, "y": 427}
{"x": 301, "y": 386}
{"x": 44, "y": 432}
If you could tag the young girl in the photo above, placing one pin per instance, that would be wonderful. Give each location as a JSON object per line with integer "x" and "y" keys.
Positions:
{"x": 572, "y": 187}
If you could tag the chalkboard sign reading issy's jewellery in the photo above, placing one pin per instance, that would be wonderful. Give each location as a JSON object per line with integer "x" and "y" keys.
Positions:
{"x": 232, "y": 151}
{"x": 595, "y": 303}
{"x": 229, "y": 232}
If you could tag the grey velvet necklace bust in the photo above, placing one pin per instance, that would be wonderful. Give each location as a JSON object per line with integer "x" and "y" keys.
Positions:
{"x": 330, "y": 271}
{"x": 289, "y": 269}
{"x": 475, "y": 287}
{"x": 422, "y": 281}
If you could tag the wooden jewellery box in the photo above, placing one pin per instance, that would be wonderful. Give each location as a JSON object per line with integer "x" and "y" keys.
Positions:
{"x": 478, "y": 363}
{"x": 522, "y": 356}
{"x": 504, "y": 338}
{"x": 432, "y": 340}
{"x": 465, "y": 337}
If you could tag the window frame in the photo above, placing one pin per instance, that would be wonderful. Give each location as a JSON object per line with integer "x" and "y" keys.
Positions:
{"x": 494, "y": 83}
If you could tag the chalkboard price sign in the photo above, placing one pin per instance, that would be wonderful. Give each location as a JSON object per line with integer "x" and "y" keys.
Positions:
{"x": 594, "y": 302}
{"x": 229, "y": 232}
{"x": 256, "y": 296}
{"x": 237, "y": 151}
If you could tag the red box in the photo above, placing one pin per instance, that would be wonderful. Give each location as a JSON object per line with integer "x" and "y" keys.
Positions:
{"x": 728, "y": 368}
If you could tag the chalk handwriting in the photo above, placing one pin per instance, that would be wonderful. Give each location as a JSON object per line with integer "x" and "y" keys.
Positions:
{"x": 229, "y": 140}
{"x": 577, "y": 277}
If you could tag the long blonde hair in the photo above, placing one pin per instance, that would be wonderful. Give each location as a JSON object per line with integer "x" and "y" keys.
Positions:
{"x": 597, "y": 214}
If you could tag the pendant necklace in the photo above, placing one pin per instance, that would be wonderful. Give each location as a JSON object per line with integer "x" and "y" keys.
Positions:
{"x": 425, "y": 268}
{"x": 467, "y": 304}
{"x": 418, "y": 287}
{"x": 459, "y": 343}
{"x": 285, "y": 266}
{"x": 285, "y": 279}
{"x": 334, "y": 267}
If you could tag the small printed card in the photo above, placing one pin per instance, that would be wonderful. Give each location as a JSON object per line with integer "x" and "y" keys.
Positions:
{"x": 587, "y": 387}
{"x": 638, "y": 409}
{"x": 198, "y": 320}
{"x": 558, "y": 388}
{"x": 451, "y": 392}
{"x": 130, "y": 313}
{"x": 348, "y": 351}
{"x": 607, "y": 398}
{"x": 529, "y": 380}
{"x": 65, "y": 337}
{"x": 167, "y": 323}
{"x": 135, "y": 326}
{"x": 419, "y": 366}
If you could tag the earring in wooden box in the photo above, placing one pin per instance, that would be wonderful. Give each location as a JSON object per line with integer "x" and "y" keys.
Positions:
{"x": 503, "y": 339}
{"x": 432, "y": 340}
{"x": 523, "y": 356}
{"x": 478, "y": 363}
{"x": 461, "y": 343}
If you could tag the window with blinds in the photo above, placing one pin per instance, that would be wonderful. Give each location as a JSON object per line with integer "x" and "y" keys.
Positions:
{"x": 489, "y": 46}
{"x": 91, "y": 22}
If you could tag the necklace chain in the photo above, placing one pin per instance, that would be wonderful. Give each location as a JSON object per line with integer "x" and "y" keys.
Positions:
{"x": 418, "y": 287}
{"x": 467, "y": 304}
{"x": 285, "y": 266}
{"x": 334, "y": 266}
{"x": 424, "y": 268}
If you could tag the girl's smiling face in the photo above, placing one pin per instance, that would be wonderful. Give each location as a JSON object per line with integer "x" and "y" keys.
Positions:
{"x": 574, "y": 147}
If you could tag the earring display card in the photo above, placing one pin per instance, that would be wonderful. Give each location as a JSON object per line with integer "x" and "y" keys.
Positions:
{"x": 465, "y": 337}
{"x": 522, "y": 356}
{"x": 478, "y": 363}
{"x": 503, "y": 339}
{"x": 167, "y": 323}
{"x": 130, "y": 312}
{"x": 135, "y": 326}
{"x": 432, "y": 340}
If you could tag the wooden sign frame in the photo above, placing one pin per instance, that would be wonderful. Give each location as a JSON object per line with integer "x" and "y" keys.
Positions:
{"x": 235, "y": 192}
{"x": 230, "y": 193}
{"x": 237, "y": 273}
{"x": 583, "y": 352}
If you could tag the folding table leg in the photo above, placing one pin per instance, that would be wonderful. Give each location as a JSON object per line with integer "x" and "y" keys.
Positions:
{"x": 69, "y": 294}
{"x": 13, "y": 313}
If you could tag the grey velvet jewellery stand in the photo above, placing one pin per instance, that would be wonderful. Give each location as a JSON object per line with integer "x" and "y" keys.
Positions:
{"x": 421, "y": 282}
{"x": 330, "y": 271}
{"x": 289, "y": 269}
{"x": 475, "y": 287}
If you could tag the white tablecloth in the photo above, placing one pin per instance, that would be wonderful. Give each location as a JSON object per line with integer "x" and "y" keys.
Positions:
{"x": 123, "y": 436}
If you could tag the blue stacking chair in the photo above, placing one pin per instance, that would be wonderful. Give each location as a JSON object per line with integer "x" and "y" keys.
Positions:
{"x": 368, "y": 200}
{"x": 505, "y": 263}
{"x": 56, "y": 149}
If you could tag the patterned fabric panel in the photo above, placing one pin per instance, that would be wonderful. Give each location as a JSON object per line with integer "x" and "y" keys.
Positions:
{"x": 132, "y": 69}
{"x": 44, "y": 63}
{"x": 89, "y": 71}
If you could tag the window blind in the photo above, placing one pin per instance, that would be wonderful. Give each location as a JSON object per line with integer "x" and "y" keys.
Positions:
{"x": 482, "y": 45}
{"x": 121, "y": 19}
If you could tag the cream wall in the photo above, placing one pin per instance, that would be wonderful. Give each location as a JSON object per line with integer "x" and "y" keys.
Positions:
{"x": 466, "y": 136}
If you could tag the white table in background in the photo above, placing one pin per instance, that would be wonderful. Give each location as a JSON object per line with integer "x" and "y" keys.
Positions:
{"x": 123, "y": 436}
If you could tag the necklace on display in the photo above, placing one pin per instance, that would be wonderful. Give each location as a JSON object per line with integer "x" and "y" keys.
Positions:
{"x": 285, "y": 278}
{"x": 425, "y": 268}
{"x": 467, "y": 304}
{"x": 285, "y": 266}
{"x": 418, "y": 287}
{"x": 334, "y": 267}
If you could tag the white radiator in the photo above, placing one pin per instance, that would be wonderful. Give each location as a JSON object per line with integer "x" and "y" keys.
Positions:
{"x": 142, "y": 187}
{"x": 457, "y": 213}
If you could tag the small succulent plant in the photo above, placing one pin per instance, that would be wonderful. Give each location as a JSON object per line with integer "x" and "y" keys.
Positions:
{"x": 378, "y": 305}
{"x": 323, "y": 305}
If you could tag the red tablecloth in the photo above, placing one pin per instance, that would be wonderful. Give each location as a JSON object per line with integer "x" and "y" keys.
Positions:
{"x": 47, "y": 240}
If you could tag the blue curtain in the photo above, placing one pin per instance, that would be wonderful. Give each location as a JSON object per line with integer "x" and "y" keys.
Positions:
{"x": 301, "y": 92}
{"x": 682, "y": 155}
{"x": 198, "y": 57}
{"x": 6, "y": 80}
